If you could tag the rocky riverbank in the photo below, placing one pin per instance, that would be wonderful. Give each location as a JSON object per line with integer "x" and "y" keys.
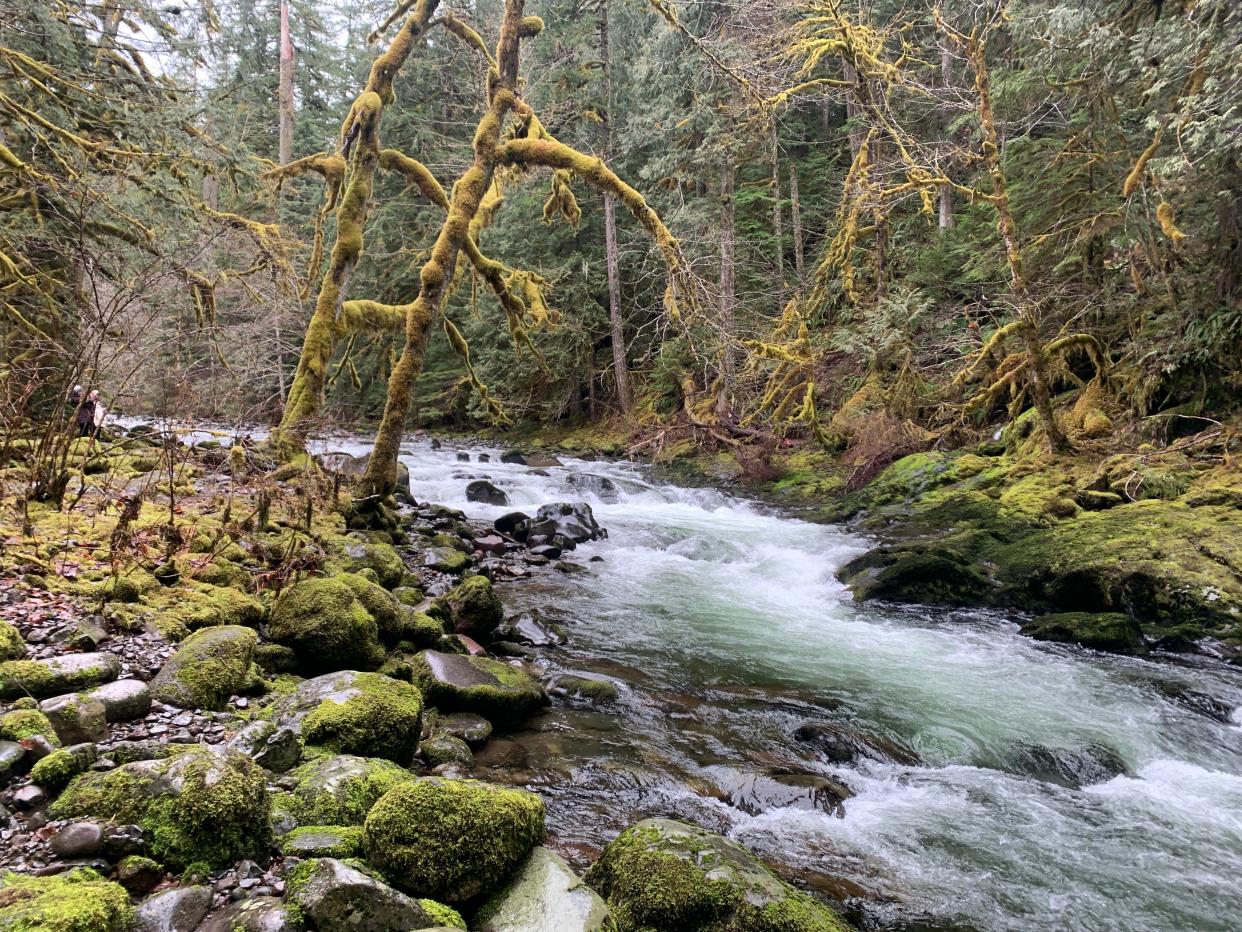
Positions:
{"x": 224, "y": 709}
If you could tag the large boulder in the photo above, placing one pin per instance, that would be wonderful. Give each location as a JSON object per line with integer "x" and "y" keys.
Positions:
{"x": 341, "y": 789}
{"x": 256, "y": 914}
{"x": 123, "y": 700}
{"x": 472, "y": 607}
{"x": 66, "y": 673}
{"x": 76, "y": 717}
{"x": 844, "y": 744}
{"x": 333, "y": 895}
{"x": 197, "y": 806}
{"x": 354, "y": 556}
{"x": 545, "y": 896}
{"x": 452, "y": 840}
{"x": 667, "y": 876}
{"x": 1106, "y": 631}
{"x": 210, "y": 666}
{"x": 327, "y": 624}
{"x": 564, "y": 525}
{"x": 601, "y": 487}
{"x": 480, "y": 490}
{"x": 349, "y": 712}
{"x": 76, "y": 901}
{"x": 502, "y": 694}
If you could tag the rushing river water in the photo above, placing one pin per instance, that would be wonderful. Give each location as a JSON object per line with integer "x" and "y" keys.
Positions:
{"x": 724, "y": 627}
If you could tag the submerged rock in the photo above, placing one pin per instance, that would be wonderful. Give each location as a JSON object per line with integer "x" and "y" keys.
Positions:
{"x": 502, "y": 694}
{"x": 755, "y": 793}
{"x": 842, "y": 744}
{"x": 452, "y": 840}
{"x": 486, "y": 493}
{"x": 1073, "y": 767}
{"x": 473, "y": 729}
{"x": 667, "y": 876}
{"x": 601, "y": 487}
{"x": 544, "y": 896}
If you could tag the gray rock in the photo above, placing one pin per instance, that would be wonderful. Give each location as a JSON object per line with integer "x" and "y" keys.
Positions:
{"x": 12, "y": 757}
{"x": 485, "y": 492}
{"x": 180, "y": 909}
{"x": 337, "y": 896}
{"x": 277, "y": 748}
{"x": 29, "y": 797}
{"x": 259, "y": 914}
{"x": 544, "y": 896}
{"x": 565, "y": 525}
{"x": 323, "y": 841}
{"x": 76, "y": 717}
{"x": 502, "y": 694}
{"x": 473, "y": 729}
{"x": 445, "y": 749}
{"x": 78, "y": 840}
{"x": 57, "y": 675}
{"x": 530, "y": 628}
{"x": 843, "y": 744}
{"x": 601, "y": 487}
{"x": 123, "y": 700}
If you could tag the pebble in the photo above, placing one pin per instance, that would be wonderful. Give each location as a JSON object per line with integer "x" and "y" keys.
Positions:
{"x": 78, "y": 840}
{"x": 29, "y": 797}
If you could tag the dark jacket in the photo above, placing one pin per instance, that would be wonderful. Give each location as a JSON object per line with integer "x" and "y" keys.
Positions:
{"x": 85, "y": 416}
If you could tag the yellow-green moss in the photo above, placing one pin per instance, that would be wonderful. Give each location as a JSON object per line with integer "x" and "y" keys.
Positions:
{"x": 12, "y": 645}
{"x": 54, "y": 772}
{"x": 323, "y": 841}
{"x": 383, "y": 720}
{"x": 341, "y": 790}
{"x": 26, "y": 723}
{"x": 443, "y": 916}
{"x": 327, "y": 625}
{"x": 452, "y": 840}
{"x": 77, "y": 901}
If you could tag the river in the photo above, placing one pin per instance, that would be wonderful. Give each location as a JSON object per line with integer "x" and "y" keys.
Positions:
{"x": 724, "y": 627}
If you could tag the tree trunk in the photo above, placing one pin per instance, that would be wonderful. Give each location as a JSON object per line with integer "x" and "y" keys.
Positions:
{"x": 285, "y": 89}
{"x": 946, "y": 192}
{"x": 621, "y": 372}
{"x": 728, "y": 274}
{"x": 778, "y": 233}
{"x": 795, "y": 209}
{"x": 1036, "y": 364}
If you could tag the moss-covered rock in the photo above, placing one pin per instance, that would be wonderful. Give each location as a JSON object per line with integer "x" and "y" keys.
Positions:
{"x": 335, "y": 895}
{"x": 587, "y": 688}
{"x": 12, "y": 645}
{"x": 350, "y": 712}
{"x": 666, "y": 876}
{"x": 914, "y": 574}
{"x": 452, "y": 840}
{"x": 200, "y": 605}
{"x": 55, "y": 676}
{"x": 353, "y": 556}
{"x": 1108, "y": 631}
{"x": 210, "y": 666}
{"x": 419, "y": 630}
{"x": 502, "y": 694}
{"x": 200, "y": 805}
{"x": 54, "y": 772}
{"x": 471, "y": 608}
{"x": 327, "y": 625}
{"x": 545, "y": 894}
{"x": 76, "y": 901}
{"x": 26, "y": 723}
{"x": 341, "y": 789}
{"x": 445, "y": 749}
{"x": 323, "y": 841}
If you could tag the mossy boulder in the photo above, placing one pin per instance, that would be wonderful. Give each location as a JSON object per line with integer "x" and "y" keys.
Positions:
{"x": 210, "y": 666}
{"x": 335, "y": 895}
{"x": 199, "y": 605}
{"x": 12, "y": 645}
{"x": 26, "y": 723}
{"x": 418, "y": 629}
{"x": 354, "y": 556}
{"x": 197, "y": 806}
{"x": 446, "y": 560}
{"x": 327, "y": 625}
{"x": 667, "y": 876}
{"x": 502, "y": 694}
{"x": 545, "y": 894}
{"x": 471, "y": 607}
{"x": 76, "y": 901}
{"x": 1106, "y": 631}
{"x": 445, "y": 749}
{"x": 342, "y": 788}
{"x": 916, "y": 574}
{"x": 323, "y": 841}
{"x": 55, "y": 676}
{"x": 352, "y": 712}
{"x": 54, "y": 772}
{"x": 452, "y": 840}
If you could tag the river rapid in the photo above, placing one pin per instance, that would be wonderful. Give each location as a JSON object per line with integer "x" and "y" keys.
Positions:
{"x": 723, "y": 625}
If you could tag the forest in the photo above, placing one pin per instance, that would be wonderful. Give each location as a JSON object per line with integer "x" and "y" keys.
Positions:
{"x": 635, "y": 465}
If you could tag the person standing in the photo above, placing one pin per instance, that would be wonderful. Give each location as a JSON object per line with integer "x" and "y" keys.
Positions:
{"x": 84, "y": 417}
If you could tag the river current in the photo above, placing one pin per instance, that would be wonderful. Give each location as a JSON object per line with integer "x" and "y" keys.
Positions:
{"x": 722, "y": 624}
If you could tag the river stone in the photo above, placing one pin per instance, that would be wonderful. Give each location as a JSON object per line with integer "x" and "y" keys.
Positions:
{"x": 472, "y": 607}
{"x": 1106, "y": 631}
{"x": 78, "y": 840}
{"x": 323, "y": 841}
{"x": 565, "y": 524}
{"x": 667, "y": 875}
{"x": 843, "y": 744}
{"x": 452, "y": 840}
{"x": 202, "y": 805}
{"x": 258, "y": 914}
{"x": 208, "y": 668}
{"x": 179, "y": 909}
{"x": 273, "y": 747}
{"x": 446, "y": 560}
{"x": 512, "y": 524}
{"x": 329, "y": 624}
{"x": 1073, "y": 767}
{"x": 340, "y": 790}
{"x": 57, "y": 675}
{"x": 54, "y": 772}
{"x": 544, "y": 896}
{"x": 756, "y": 793}
{"x": 445, "y": 749}
{"x": 500, "y": 693}
{"x": 12, "y": 756}
{"x": 333, "y": 895}
{"x": 123, "y": 700}
{"x": 350, "y": 712}
{"x": 586, "y": 687}
{"x": 76, "y": 717}
{"x": 12, "y": 645}
{"x": 473, "y": 729}
{"x": 601, "y": 487}
{"x": 486, "y": 493}
{"x": 531, "y": 628}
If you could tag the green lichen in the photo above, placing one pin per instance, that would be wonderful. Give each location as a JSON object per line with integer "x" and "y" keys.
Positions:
{"x": 199, "y": 805}
{"x": 77, "y": 901}
{"x": 383, "y": 719}
{"x": 26, "y": 723}
{"x": 452, "y": 840}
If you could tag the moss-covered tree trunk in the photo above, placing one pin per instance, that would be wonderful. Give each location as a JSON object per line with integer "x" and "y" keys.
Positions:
{"x": 360, "y": 137}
